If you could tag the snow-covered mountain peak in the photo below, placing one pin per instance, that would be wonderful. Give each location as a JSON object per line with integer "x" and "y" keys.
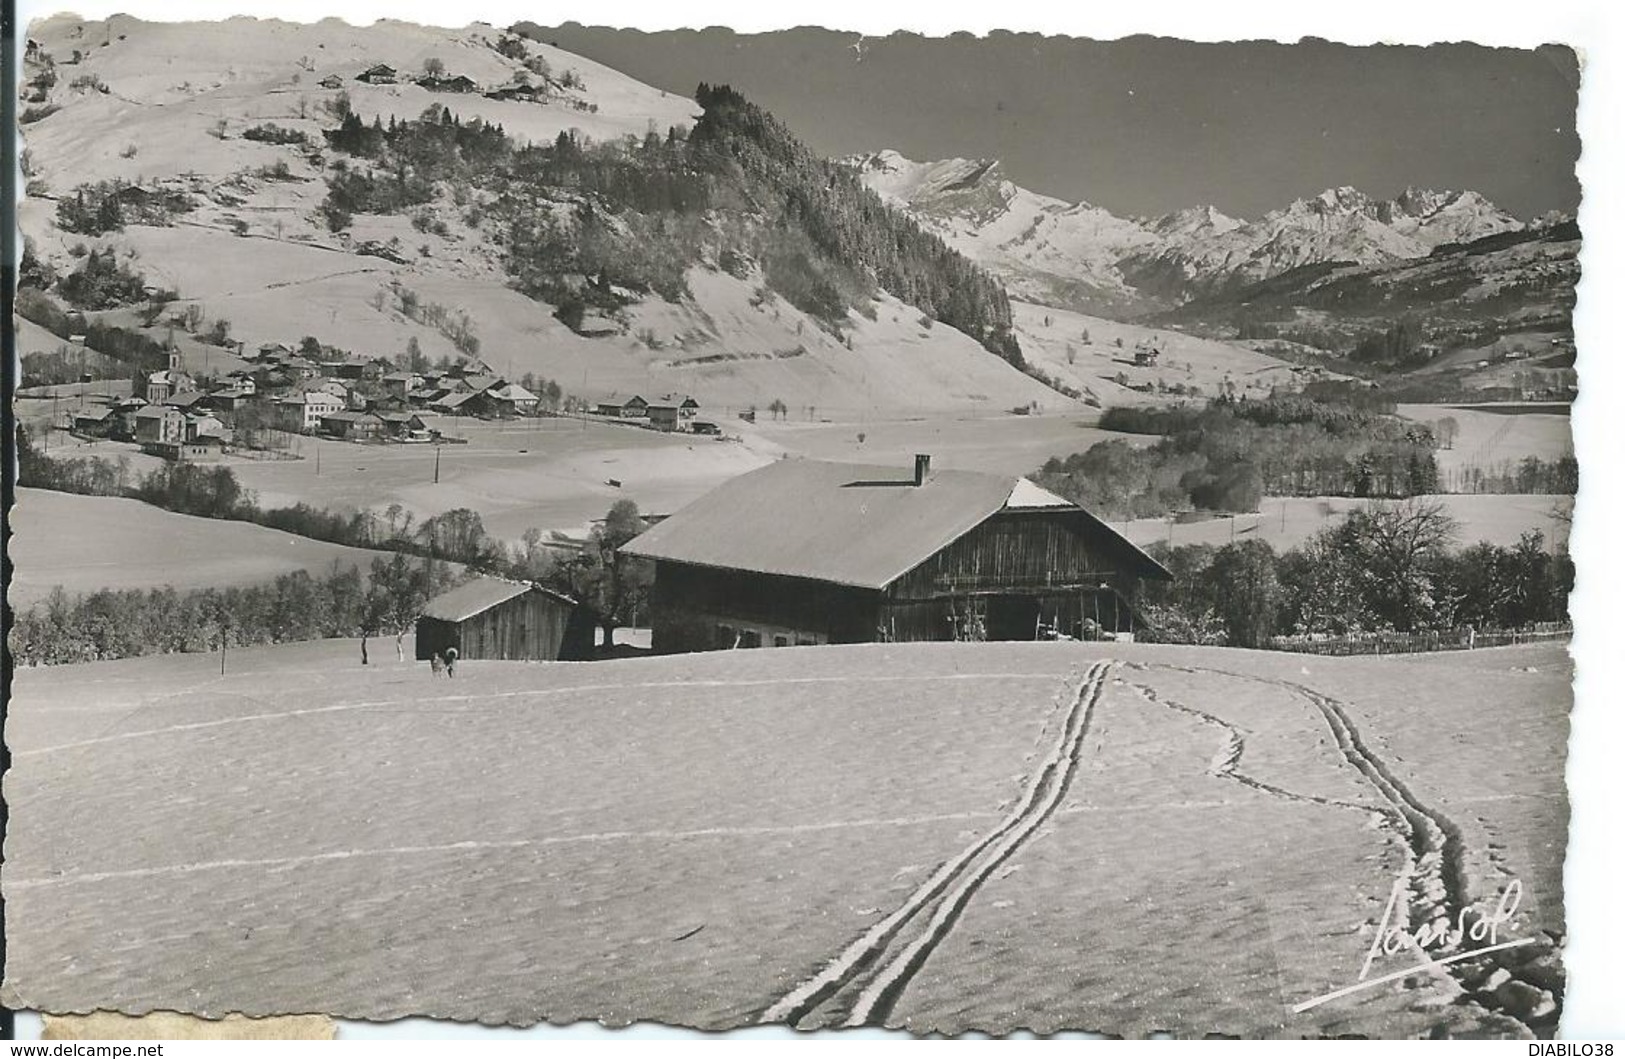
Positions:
{"x": 1083, "y": 256}
{"x": 1192, "y": 221}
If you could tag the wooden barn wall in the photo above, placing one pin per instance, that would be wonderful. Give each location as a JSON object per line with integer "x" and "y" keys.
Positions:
{"x": 531, "y": 627}
{"x": 1021, "y": 552}
{"x": 689, "y": 602}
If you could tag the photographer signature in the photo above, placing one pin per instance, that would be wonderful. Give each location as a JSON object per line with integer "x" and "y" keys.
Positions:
{"x": 1471, "y": 925}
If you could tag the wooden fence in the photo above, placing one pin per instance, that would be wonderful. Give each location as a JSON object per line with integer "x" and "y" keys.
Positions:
{"x": 1385, "y": 643}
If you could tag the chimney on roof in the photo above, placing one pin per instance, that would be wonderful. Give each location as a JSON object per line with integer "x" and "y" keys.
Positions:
{"x": 922, "y": 467}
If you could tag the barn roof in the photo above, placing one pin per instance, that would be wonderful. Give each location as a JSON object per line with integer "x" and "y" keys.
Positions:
{"x": 849, "y": 524}
{"x": 482, "y": 593}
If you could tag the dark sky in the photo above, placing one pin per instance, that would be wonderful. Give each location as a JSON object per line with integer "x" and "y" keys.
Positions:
{"x": 1146, "y": 125}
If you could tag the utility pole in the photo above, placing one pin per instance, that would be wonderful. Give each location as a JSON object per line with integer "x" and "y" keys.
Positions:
{"x": 437, "y": 463}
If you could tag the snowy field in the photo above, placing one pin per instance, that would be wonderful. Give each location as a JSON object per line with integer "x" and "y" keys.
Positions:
{"x": 88, "y": 543}
{"x": 1110, "y": 837}
{"x": 1491, "y": 440}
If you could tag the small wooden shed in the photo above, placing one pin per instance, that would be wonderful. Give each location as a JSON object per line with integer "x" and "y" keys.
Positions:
{"x": 514, "y": 620}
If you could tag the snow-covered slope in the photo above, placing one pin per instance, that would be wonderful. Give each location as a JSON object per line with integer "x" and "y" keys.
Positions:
{"x": 1081, "y": 256}
{"x": 167, "y": 104}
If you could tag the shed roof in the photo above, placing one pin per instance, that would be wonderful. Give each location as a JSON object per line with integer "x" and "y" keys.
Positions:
{"x": 482, "y": 593}
{"x": 850, "y": 524}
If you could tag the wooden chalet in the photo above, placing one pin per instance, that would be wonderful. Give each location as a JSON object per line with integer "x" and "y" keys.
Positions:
{"x": 380, "y": 74}
{"x": 353, "y": 426}
{"x": 456, "y": 83}
{"x": 230, "y": 398}
{"x": 662, "y": 416}
{"x": 687, "y": 407}
{"x": 510, "y": 399}
{"x": 456, "y": 403}
{"x": 96, "y": 422}
{"x": 633, "y": 407}
{"x": 401, "y": 383}
{"x": 807, "y": 552}
{"x": 400, "y": 424}
{"x": 491, "y": 618}
{"x": 515, "y": 93}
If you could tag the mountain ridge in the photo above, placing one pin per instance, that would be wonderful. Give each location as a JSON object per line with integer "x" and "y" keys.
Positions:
{"x": 1083, "y": 256}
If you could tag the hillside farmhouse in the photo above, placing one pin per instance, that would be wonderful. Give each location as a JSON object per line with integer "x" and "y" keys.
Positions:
{"x": 687, "y": 406}
{"x": 663, "y": 417}
{"x": 458, "y": 83}
{"x": 633, "y": 407}
{"x": 514, "y": 620}
{"x": 807, "y": 552}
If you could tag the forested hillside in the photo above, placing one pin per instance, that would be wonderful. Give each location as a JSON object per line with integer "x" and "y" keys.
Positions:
{"x": 592, "y": 227}
{"x": 473, "y": 196}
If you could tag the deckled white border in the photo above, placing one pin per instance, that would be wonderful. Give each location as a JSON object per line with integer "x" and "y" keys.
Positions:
{"x": 1596, "y": 864}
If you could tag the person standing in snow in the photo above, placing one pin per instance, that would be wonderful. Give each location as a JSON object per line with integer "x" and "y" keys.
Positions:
{"x": 451, "y": 661}
{"x": 435, "y": 664}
